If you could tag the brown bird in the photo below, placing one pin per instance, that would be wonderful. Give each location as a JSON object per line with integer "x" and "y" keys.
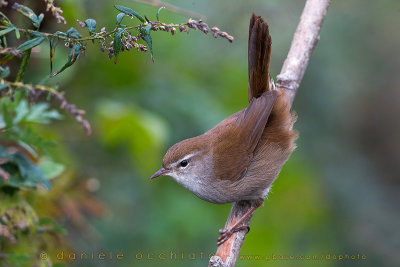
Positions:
{"x": 239, "y": 158}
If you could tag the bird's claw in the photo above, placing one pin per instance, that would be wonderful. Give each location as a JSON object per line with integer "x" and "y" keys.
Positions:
{"x": 225, "y": 234}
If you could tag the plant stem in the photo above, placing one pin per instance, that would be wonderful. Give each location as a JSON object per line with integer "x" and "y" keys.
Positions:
{"x": 18, "y": 84}
{"x": 22, "y": 67}
{"x": 96, "y": 36}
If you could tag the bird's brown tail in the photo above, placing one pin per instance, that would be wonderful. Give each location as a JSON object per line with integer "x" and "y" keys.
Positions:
{"x": 259, "y": 56}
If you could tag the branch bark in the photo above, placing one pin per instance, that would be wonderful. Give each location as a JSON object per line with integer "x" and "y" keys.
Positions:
{"x": 292, "y": 72}
{"x": 304, "y": 41}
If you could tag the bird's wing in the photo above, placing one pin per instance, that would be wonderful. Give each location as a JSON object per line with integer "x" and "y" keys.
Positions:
{"x": 259, "y": 53}
{"x": 238, "y": 136}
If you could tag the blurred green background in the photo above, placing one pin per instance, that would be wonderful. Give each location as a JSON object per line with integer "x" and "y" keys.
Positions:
{"x": 338, "y": 193}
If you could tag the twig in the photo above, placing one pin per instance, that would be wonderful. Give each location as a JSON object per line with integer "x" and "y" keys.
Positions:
{"x": 20, "y": 85}
{"x": 304, "y": 41}
{"x": 172, "y": 8}
{"x": 156, "y": 25}
{"x": 97, "y": 36}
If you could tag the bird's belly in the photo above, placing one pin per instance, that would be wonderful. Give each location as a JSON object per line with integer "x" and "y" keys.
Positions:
{"x": 226, "y": 192}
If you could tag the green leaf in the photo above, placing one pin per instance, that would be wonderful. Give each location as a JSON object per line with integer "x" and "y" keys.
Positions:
{"x": 5, "y": 31}
{"x": 4, "y": 72}
{"x": 7, "y": 117}
{"x": 117, "y": 43}
{"x": 158, "y": 12}
{"x": 17, "y": 34}
{"x": 50, "y": 168}
{"x": 60, "y": 34}
{"x": 30, "y": 173}
{"x": 49, "y": 223}
{"x": 27, "y": 12}
{"x": 39, "y": 113}
{"x": 36, "y": 34}
{"x": 8, "y": 22}
{"x": 18, "y": 259}
{"x": 147, "y": 37}
{"x": 129, "y": 12}
{"x": 31, "y": 43}
{"x": 72, "y": 32}
{"x": 72, "y": 56}
{"x": 20, "y": 111}
{"x": 40, "y": 18}
{"x": 120, "y": 16}
{"x": 27, "y": 138}
{"x": 91, "y": 25}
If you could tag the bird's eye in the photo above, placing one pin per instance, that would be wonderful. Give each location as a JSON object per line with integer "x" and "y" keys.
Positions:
{"x": 184, "y": 163}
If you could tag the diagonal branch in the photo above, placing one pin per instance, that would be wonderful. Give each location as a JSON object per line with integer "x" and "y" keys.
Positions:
{"x": 304, "y": 41}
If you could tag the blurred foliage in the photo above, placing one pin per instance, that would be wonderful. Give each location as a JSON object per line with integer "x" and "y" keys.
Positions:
{"x": 337, "y": 194}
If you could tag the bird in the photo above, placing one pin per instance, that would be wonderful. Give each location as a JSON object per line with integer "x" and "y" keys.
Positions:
{"x": 241, "y": 156}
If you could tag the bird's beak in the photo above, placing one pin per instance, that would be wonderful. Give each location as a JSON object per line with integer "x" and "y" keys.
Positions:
{"x": 160, "y": 172}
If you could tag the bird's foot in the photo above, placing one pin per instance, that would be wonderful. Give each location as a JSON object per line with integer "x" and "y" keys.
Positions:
{"x": 224, "y": 234}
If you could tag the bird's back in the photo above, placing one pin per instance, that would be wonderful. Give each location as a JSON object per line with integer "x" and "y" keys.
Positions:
{"x": 254, "y": 175}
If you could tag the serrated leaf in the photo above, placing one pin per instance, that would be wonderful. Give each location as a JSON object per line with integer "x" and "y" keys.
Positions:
{"x": 128, "y": 11}
{"x": 158, "y": 12}
{"x": 31, "y": 43}
{"x": 72, "y": 32}
{"x": 5, "y": 31}
{"x": 4, "y": 72}
{"x": 147, "y": 38}
{"x": 72, "y": 56}
{"x": 117, "y": 43}
{"x": 91, "y": 25}
{"x": 119, "y": 18}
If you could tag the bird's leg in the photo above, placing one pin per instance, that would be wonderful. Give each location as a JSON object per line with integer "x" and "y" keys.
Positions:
{"x": 227, "y": 232}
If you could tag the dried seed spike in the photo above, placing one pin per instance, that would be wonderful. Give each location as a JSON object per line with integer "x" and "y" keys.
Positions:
{"x": 173, "y": 30}
{"x": 82, "y": 24}
{"x": 182, "y": 28}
